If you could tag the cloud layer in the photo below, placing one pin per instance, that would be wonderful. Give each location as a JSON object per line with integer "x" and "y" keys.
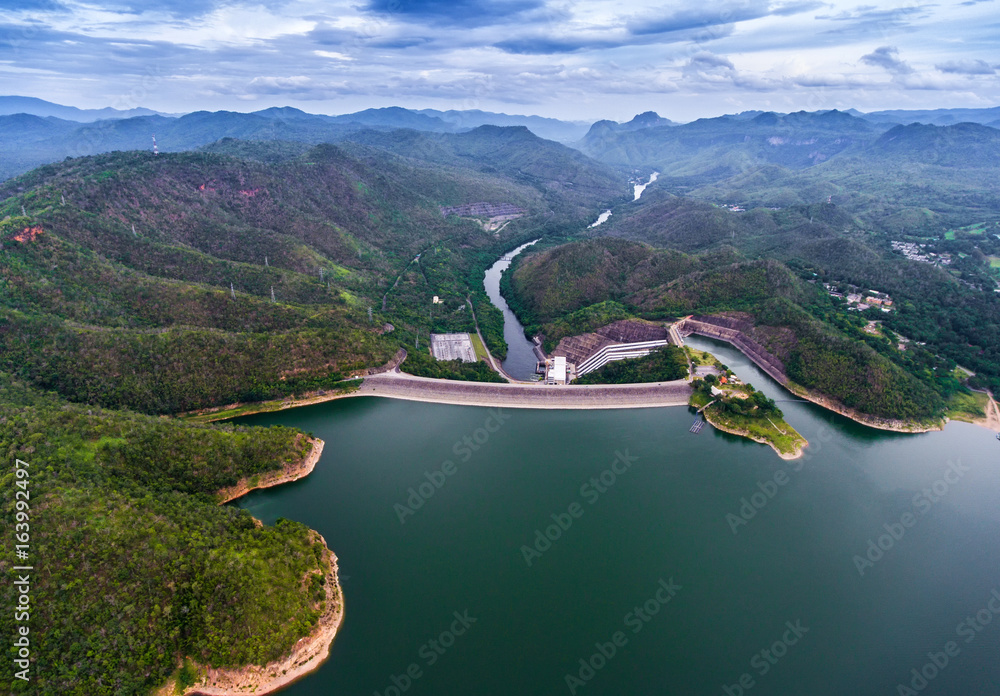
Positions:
{"x": 584, "y": 60}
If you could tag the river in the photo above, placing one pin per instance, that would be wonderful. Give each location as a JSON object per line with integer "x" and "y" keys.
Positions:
{"x": 639, "y": 188}
{"x": 637, "y": 193}
{"x": 521, "y": 359}
{"x": 647, "y": 568}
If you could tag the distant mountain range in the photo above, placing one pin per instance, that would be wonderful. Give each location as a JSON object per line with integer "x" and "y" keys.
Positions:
{"x": 35, "y": 132}
{"x": 40, "y": 107}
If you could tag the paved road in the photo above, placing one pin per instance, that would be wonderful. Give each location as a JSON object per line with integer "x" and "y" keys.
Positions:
{"x": 399, "y": 385}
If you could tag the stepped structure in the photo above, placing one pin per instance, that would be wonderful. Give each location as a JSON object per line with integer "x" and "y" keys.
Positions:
{"x": 623, "y": 339}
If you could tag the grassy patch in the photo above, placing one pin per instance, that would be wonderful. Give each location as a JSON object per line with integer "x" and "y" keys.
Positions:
{"x": 967, "y": 406}
{"x": 771, "y": 429}
{"x": 478, "y": 345}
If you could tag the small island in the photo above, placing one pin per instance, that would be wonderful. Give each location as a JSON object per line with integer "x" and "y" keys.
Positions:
{"x": 737, "y": 408}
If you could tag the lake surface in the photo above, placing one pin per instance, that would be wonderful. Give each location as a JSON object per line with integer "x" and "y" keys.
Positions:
{"x": 521, "y": 359}
{"x": 658, "y": 534}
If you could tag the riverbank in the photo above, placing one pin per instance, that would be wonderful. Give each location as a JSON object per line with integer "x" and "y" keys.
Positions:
{"x": 310, "y": 651}
{"x": 717, "y": 422}
{"x": 292, "y": 471}
{"x": 307, "y": 655}
{"x": 775, "y": 369}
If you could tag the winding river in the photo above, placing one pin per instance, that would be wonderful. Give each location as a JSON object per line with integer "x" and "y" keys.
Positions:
{"x": 521, "y": 359}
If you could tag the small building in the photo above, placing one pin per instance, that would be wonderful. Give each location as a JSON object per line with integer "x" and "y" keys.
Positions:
{"x": 716, "y": 391}
{"x": 556, "y": 370}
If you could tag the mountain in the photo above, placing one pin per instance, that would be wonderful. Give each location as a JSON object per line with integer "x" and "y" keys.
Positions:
{"x": 723, "y": 146}
{"x": 965, "y": 145}
{"x": 573, "y": 288}
{"x": 548, "y": 128}
{"x": 570, "y": 181}
{"x": 40, "y": 107}
{"x": 26, "y": 142}
{"x": 936, "y": 117}
{"x": 154, "y": 263}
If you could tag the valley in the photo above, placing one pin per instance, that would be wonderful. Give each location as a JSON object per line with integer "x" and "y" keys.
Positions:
{"x": 300, "y": 259}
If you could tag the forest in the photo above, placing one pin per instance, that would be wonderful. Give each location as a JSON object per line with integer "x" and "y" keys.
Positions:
{"x": 142, "y": 568}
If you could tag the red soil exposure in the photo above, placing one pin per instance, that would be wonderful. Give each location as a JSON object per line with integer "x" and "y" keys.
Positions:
{"x": 251, "y": 193}
{"x": 28, "y": 234}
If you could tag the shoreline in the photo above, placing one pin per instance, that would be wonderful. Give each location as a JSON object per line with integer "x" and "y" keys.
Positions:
{"x": 291, "y": 472}
{"x": 799, "y": 450}
{"x": 876, "y": 422}
{"x": 718, "y": 333}
{"x": 307, "y": 655}
{"x": 310, "y": 651}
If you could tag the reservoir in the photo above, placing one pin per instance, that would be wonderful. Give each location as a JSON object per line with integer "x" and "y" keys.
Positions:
{"x": 521, "y": 359}
{"x": 668, "y": 562}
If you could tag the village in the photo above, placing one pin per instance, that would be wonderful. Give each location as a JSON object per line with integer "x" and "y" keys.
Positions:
{"x": 857, "y": 299}
{"x": 920, "y": 252}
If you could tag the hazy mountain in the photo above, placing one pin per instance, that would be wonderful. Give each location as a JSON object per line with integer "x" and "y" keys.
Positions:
{"x": 40, "y": 107}
{"x": 723, "y": 146}
{"x": 937, "y": 117}
{"x": 549, "y": 128}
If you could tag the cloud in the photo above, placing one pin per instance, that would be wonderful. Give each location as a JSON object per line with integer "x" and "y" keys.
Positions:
{"x": 541, "y": 45}
{"x": 707, "y": 16}
{"x": 887, "y": 57}
{"x": 966, "y": 67}
{"x": 868, "y": 19}
{"x": 471, "y": 13}
{"x": 35, "y": 6}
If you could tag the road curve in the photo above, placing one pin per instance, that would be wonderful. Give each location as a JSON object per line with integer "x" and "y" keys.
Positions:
{"x": 398, "y": 385}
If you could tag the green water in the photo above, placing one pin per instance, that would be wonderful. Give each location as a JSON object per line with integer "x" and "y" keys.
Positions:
{"x": 663, "y": 518}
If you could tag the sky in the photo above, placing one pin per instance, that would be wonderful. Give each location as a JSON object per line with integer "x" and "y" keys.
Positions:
{"x": 578, "y": 61}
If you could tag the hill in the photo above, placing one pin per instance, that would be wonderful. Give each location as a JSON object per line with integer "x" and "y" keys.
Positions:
{"x": 569, "y": 181}
{"x": 273, "y": 266}
{"x": 577, "y": 287}
{"x": 143, "y": 570}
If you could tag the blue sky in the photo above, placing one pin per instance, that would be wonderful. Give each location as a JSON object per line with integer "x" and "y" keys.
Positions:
{"x": 574, "y": 60}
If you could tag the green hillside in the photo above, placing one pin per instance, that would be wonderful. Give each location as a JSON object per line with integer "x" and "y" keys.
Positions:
{"x": 243, "y": 279}
{"x": 141, "y": 568}
{"x": 580, "y": 286}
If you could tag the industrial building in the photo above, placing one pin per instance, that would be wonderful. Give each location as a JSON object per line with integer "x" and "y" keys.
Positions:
{"x": 555, "y": 370}
{"x": 592, "y": 351}
{"x": 454, "y": 346}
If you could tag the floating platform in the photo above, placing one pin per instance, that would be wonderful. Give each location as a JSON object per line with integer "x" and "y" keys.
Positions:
{"x": 697, "y": 426}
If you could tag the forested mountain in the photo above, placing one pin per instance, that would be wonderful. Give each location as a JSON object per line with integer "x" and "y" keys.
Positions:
{"x": 142, "y": 568}
{"x": 34, "y": 132}
{"x": 723, "y": 146}
{"x": 569, "y": 180}
{"x": 561, "y": 292}
{"x": 179, "y": 281}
